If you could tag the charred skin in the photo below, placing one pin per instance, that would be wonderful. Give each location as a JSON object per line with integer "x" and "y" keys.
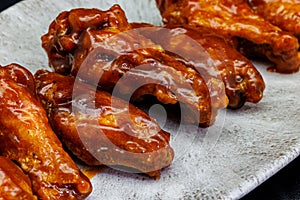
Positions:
{"x": 242, "y": 81}
{"x": 27, "y": 138}
{"x": 101, "y": 129}
{"x": 103, "y": 53}
{"x": 234, "y": 18}
{"x": 14, "y": 184}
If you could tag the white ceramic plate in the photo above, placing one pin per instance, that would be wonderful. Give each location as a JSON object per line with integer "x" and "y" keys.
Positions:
{"x": 242, "y": 150}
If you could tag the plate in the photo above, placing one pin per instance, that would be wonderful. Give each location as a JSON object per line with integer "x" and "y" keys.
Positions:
{"x": 226, "y": 161}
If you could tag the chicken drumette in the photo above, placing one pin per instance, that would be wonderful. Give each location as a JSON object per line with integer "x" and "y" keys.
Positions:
{"x": 235, "y": 18}
{"x": 27, "y": 138}
{"x": 101, "y": 129}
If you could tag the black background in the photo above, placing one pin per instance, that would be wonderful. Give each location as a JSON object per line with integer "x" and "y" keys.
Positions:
{"x": 6, "y": 3}
{"x": 285, "y": 185}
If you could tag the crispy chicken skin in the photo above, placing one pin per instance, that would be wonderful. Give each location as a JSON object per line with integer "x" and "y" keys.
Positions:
{"x": 14, "y": 184}
{"x": 104, "y": 53}
{"x": 235, "y": 18}
{"x": 242, "y": 80}
{"x": 101, "y": 129}
{"x": 282, "y": 13}
{"x": 27, "y": 138}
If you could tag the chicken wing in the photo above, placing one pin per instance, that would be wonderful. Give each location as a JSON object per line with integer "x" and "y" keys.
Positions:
{"x": 14, "y": 184}
{"x": 106, "y": 54}
{"x": 66, "y": 29}
{"x": 101, "y": 129}
{"x": 282, "y": 13}
{"x": 27, "y": 138}
{"x": 242, "y": 81}
{"x": 234, "y": 18}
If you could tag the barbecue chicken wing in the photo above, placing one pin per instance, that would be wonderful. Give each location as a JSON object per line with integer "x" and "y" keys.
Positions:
{"x": 242, "y": 81}
{"x": 282, "y": 13}
{"x": 235, "y": 18}
{"x": 101, "y": 129}
{"x": 27, "y": 138}
{"x": 120, "y": 60}
{"x": 14, "y": 184}
{"x": 67, "y": 28}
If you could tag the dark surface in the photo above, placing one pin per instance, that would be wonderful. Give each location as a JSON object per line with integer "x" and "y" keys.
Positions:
{"x": 285, "y": 185}
{"x": 6, "y": 3}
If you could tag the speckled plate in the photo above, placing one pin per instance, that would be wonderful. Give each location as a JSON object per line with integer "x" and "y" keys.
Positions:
{"x": 243, "y": 149}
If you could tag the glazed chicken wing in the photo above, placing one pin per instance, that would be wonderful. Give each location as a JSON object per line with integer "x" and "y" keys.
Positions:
{"x": 234, "y": 18}
{"x": 242, "y": 81}
{"x": 105, "y": 51}
{"x": 14, "y": 184}
{"x": 101, "y": 129}
{"x": 149, "y": 72}
{"x": 27, "y": 138}
{"x": 282, "y": 13}
{"x": 67, "y": 28}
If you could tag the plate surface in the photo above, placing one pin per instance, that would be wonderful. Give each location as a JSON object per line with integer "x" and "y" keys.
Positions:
{"x": 226, "y": 161}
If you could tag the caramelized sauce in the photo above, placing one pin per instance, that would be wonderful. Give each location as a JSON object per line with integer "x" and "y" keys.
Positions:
{"x": 90, "y": 172}
{"x": 272, "y": 69}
